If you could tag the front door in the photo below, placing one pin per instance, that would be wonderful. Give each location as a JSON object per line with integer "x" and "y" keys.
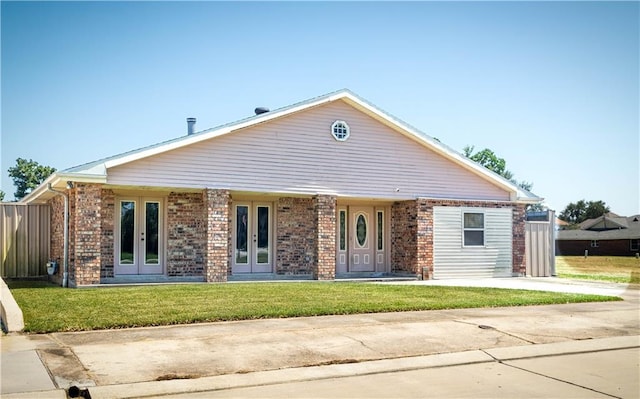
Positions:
{"x": 361, "y": 238}
{"x": 252, "y": 244}
{"x": 139, "y": 238}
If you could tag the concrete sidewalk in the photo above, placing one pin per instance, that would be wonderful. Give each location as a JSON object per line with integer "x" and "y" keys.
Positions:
{"x": 599, "y": 368}
{"x": 606, "y": 367}
{"x": 205, "y": 357}
{"x": 551, "y": 284}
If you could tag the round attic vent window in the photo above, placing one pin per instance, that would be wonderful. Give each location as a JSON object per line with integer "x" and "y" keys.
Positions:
{"x": 340, "y": 130}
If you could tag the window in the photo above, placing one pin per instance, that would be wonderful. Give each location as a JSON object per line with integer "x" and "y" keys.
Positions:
{"x": 340, "y": 130}
{"x": 380, "y": 231}
{"x": 361, "y": 231}
{"x": 343, "y": 230}
{"x": 635, "y": 244}
{"x": 473, "y": 229}
{"x": 594, "y": 243}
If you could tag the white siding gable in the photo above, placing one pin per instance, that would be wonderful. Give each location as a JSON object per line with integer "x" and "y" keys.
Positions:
{"x": 298, "y": 154}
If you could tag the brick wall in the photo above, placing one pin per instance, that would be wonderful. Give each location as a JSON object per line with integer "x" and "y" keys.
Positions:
{"x": 72, "y": 234}
{"x": 604, "y": 248}
{"x": 296, "y": 236}
{"x": 217, "y": 254}
{"x": 325, "y": 250}
{"x": 56, "y": 246}
{"x": 519, "y": 243}
{"x": 87, "y": 234}
{"x": 424, "y": 222}
{"x": 186, "y": 234}
{"x": 404, "y": 237}
{"x": 108, "y": 230}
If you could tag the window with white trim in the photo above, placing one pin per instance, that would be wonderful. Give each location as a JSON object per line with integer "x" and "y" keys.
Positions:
{"x": 594, "y": 243}
{"x": 473, "y": 226}
{"x": 635, "y": 244}
{"x": 340, "y": 130}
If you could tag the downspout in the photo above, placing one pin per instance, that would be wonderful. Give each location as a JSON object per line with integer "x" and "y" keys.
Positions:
{"x": 65, "y": 261}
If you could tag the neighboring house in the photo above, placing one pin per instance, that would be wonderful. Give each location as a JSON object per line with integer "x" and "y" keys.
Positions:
{"x": 329, "y": 187}
{"x": 561, "y": 224}
{"x": 608, "y": 234}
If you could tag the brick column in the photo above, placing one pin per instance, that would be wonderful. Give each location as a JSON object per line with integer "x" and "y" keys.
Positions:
{"x": 108, "y": 233}
{"x": 87, "y": 235}
{"x": 519, "y": 242}
{"x": 56, "y": 235}
{"x": 324, "y": 266}
{"x": 217, "y": 252}
{"x": 412, "y": 236}
{"x": 404, "y": 235}
{"x": 424, "y": 239}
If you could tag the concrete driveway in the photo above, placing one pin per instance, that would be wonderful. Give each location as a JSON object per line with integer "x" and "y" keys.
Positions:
{"x": 121, "y": 360}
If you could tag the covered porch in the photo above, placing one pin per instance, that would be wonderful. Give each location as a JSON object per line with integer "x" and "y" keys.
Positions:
{"x": 129, "y": 235}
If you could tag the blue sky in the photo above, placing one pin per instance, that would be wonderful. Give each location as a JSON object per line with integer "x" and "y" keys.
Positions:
{"x": 552, "y": 87}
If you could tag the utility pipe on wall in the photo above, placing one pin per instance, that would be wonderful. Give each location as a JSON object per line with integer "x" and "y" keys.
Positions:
{"x": 65, "y": 261}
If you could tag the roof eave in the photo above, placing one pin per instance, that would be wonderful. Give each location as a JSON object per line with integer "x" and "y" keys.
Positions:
{"x": 58, "y": 180}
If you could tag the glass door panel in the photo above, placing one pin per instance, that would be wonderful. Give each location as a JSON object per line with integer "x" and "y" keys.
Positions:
{"x": 242, "y": 235}
{"x": 263, "y": 253}
{"x": 126, "y": 253}
{"x": 341, "y": 241}
{"x": 151, "y": 247}
{"x": 361, "y": 231}
{"x": 380, "y": 240}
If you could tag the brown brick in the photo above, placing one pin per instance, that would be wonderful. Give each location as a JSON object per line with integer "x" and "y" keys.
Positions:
{"x": 217, "y": 253}
{"x": 186, "y": 234}
{"x": 296, "y": 236}
{"x": 325, "y": 249}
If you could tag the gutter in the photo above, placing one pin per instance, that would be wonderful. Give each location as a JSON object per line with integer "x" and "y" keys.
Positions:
{"x": 65, "y": 274}
{"x": 58, "y": 179}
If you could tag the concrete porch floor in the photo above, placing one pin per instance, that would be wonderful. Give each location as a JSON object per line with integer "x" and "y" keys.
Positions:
{"x": 253, "y": 277}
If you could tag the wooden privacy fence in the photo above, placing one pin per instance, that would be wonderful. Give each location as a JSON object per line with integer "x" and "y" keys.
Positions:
{"x": 540, "y": 245}
{"x": 24, "y": 240}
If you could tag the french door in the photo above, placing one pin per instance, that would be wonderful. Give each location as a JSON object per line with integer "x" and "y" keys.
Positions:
{"x": 139, "y": 236}
{"x": 252, "y": 238}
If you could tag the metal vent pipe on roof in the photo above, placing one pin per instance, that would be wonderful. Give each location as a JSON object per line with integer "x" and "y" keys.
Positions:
{"x": 261, "y": 110}
{"x": 191, "y": 123}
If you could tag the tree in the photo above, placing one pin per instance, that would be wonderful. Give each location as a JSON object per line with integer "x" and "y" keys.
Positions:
{"x": 1, "y": 195}
{"x": 489, "y": 160}
{"x": 582, "y": 210}
{"x": 28, "y": 175}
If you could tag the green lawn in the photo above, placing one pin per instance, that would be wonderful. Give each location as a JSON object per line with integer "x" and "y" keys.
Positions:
{"x": 49, "y": 308}
{"x": 617, "y": 269}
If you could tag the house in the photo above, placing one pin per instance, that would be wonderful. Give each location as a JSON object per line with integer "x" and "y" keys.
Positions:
{"x": 608, "y": 234}
{"x": 561, "y": 224}
{"x": 329, "y": 187}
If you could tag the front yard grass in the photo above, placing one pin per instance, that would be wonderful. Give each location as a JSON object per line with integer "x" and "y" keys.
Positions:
{"x": 50, "y": 308}
{"x": 617, "y": 269}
